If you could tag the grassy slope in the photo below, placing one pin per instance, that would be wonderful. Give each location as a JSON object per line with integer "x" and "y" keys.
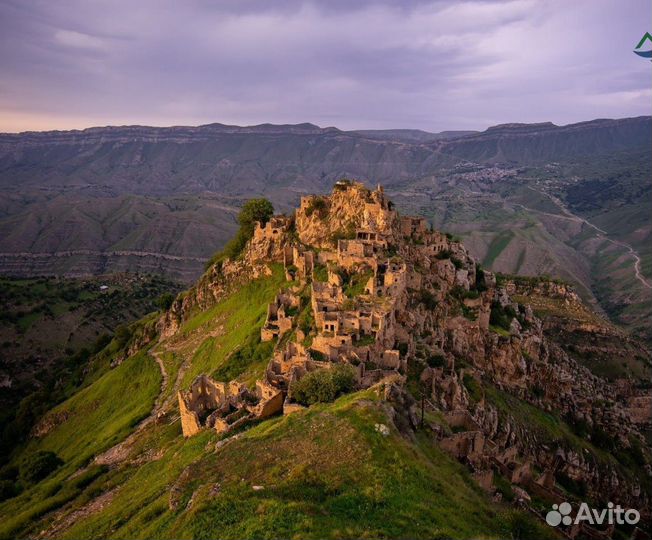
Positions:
{"x": 95, "y": 418}
{"x": 325, "y": 472}
{"x": 229, "y": 324}
{"x": 44, "y": 322}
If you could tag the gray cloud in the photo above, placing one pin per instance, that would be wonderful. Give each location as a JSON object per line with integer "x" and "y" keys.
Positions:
{"x": 432, "y": 65}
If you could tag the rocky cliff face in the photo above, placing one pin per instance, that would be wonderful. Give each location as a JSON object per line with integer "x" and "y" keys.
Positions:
{"x": 391, "y": 298}
{"x": 603, "y": 348}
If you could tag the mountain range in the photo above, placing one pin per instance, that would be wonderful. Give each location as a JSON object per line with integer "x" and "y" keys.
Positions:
{"x": 570, "y": 201}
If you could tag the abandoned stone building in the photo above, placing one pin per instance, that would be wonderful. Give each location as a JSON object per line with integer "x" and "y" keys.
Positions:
{"x": 279, "y": 319}
{"x": 358, "y": 331}
{"x": 224, "y": 406}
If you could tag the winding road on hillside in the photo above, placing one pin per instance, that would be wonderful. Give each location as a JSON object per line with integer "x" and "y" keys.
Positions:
{"x": 574, "y": 217}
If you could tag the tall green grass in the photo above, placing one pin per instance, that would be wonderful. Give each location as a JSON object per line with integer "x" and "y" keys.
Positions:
{"x": 91, "y": 421}
{"x": 239, "y": 314}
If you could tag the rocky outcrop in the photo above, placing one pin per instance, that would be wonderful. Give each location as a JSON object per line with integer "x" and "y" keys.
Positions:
{"x": 406, "y": 305}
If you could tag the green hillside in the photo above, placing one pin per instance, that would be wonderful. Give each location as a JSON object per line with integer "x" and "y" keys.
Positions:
{"x": 325, "y": 472}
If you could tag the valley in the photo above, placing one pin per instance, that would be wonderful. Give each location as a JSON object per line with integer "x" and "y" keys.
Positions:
{"x": 569, "y": 201}
{"x": 50, "y": 328}
{"x": 325, "y": 270}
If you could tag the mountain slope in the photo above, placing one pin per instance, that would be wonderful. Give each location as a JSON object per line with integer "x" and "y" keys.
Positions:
{"x": 464, "y": 409}
{"x": 546, "y": 142}
{"x": 231, "y": 159}
{"x": 164, "y": 199}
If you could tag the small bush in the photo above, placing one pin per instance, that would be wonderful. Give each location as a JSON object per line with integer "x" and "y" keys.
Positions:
{"x": 37, "y": 466}
{"x": 164, "y": 302}
{"x": 428, "y": 299}
{"x": 436, "y": 361}
{"x": 343, "y": 234}
{"x": 365, "y": 340}
{"x": 504, "y": 487}
{"x": 572, "y": 486}
{"x": 501, "y": 317}
{"x": 520, "y": 526}
{"x": 122, "y": 335}
{"x": 356, "y": 283}
{"x": 323, "y": 385}
{"x": 472, "y": 386}
{"x": 461, "y": 293}
{"x": 320, "y": 273}
{"x": 306, "y": 320}
{"x": 317, "y": 205}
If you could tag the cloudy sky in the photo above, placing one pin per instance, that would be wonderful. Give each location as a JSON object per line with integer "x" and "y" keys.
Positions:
{"x": 433, "y": 65}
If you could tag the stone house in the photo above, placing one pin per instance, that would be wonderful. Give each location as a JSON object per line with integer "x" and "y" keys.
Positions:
{"x": 225, "y": 406}
{"x": 278, "y": 321}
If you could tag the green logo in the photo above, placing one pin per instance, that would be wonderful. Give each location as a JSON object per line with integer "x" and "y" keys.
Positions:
{"x": 647, "y": 53}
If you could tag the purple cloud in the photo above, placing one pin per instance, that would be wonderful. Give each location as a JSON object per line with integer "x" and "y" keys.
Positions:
{"x": 374, "y": 64}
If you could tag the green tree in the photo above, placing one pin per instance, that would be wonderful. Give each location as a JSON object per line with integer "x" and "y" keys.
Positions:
{"x": 252, "y": 211}
{"x": 323, "y": 385}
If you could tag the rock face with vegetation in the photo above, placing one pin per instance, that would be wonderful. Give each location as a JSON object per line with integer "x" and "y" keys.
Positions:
{"x": 343, "y": 371}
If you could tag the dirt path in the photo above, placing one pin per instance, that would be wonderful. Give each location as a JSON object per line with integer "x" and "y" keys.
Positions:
{"x": 120, "y": 451}
{"x": 63, "y": 522}
{"x": 631, "y": 251}
{"x": 111, "y": 457}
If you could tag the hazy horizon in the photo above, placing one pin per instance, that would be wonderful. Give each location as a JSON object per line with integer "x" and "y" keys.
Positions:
{"x": 479, "y": 130}
{"x": 434, "y": 65}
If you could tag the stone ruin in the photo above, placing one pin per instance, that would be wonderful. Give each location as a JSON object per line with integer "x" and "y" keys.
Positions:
{"x": 225, "y": 406}
{"x": 279, "y": 320}
{"x": 356, "y": 331}
{"x": 377, "y": 329}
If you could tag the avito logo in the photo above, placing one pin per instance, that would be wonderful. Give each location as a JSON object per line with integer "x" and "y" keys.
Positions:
{"x": 561, "y": 514}
{"x": 648, "y": 53}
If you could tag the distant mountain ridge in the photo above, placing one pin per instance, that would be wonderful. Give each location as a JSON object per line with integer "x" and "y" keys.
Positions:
{"x": 532, "y": 143}
{"x": 410, "y": 135}
{"x": 236, "y": 160}
{"x": 568, "y": 201}
{"x": 207, "y": 130}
